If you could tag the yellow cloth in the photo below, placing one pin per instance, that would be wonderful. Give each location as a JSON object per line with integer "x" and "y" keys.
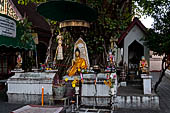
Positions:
{"x": 80, "y": 63}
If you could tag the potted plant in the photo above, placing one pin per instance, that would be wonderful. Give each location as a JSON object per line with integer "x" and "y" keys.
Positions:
{"x": 59, "y": 89}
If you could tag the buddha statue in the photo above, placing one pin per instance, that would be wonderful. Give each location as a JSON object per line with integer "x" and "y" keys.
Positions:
{"x": 77, "y": 64}
{"x": 143, "y": 65}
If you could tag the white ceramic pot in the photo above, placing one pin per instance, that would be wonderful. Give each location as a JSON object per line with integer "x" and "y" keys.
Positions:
{"x": 76, "y": 90}
{"x": 112, "y": 91}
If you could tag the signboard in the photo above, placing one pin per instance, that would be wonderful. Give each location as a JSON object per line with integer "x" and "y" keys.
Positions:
{"x": 7, "y": 27}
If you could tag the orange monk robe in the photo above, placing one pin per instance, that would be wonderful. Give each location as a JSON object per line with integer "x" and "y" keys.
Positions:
{"x": 80, "y": 63}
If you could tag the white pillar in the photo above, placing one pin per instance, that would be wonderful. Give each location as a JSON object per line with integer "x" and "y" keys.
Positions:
{"x": 146, "y": 83}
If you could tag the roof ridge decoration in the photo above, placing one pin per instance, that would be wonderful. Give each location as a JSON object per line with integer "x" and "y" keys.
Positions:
{"x": 7, "y": 7}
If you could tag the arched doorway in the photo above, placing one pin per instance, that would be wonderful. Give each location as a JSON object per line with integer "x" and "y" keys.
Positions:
{"x": 135, "y": 52}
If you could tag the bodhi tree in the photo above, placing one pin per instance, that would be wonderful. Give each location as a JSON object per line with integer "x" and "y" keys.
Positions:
{"x": 158, "y": 37}
{"x": 113, "y": 18}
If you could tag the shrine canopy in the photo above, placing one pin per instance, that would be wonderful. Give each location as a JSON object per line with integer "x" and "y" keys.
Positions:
{"x": 10, "y": 35}
{"x": 66, "y": 10}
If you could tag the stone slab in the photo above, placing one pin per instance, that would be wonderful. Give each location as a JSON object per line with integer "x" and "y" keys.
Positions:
{"x": 27, "y": 87}
{"x": 123, "y": 84}
{"x": 147, "y": 84}
{"x": 38, "y": 109}
{"x": 30, "y": 83}
{"x": 27, "y": 98}
{"x": 145, "y": 76}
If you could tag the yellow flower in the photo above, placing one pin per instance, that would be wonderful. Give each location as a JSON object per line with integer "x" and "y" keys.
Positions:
{"x": 66, "y": 79}
{"x": 50, "y": 69}
{"x": 110, "y": 83}
{"x": 105, "y": 82}
{"x": 73, "y": 82}
{"x": 79, "y": 70}
{"x": 46, "y": 68}
{"x": 73, "y": 85}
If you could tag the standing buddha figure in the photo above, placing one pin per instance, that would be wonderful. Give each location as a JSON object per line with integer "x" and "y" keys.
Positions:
{"x": 77, "y": 64}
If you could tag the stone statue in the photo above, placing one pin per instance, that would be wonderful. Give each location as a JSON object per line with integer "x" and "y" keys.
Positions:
{"x": 77, "y": 64}
{"x": 143, "y": 65}
{"x": 19, "y": 61}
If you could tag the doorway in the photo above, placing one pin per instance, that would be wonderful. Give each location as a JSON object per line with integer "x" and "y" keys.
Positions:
{"x": 135, "y": 52}
{"x": 41, "y": 50}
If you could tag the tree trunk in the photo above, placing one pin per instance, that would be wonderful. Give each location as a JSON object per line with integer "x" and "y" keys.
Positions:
{"x": 162, "y": 73}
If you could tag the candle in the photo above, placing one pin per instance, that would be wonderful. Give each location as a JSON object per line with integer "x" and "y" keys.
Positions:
{"x": 42, "y": 98}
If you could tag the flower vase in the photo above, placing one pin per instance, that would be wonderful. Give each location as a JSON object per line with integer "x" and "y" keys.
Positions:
{"x": 59, "y": 91}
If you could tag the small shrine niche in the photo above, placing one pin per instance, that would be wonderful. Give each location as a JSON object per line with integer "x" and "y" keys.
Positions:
{"x": 81, "y": 45}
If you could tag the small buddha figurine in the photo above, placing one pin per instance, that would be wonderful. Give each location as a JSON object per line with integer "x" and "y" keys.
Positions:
{"x": 143, "y": 65}
{"x": 19, "y": 61}
{"x": 77, "y": 64}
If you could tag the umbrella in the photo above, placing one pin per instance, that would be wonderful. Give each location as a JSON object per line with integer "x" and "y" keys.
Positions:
{"x": 66, "y": 10}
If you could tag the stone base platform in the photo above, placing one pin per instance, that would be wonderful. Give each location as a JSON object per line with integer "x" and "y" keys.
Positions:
{"x": 133, "y": 97}
{"x": 28, "y": 98}
{"x": 27, "y": 87}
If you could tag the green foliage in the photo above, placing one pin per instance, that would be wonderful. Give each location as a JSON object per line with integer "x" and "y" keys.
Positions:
{"x": 158, "y": 38}
{"x": 26, "y": 31}
{"x": 25, "y": 2}
{"x": 113, "y": 18}
{"x": 158, "y": 42}
{"x": 29, "y": 62}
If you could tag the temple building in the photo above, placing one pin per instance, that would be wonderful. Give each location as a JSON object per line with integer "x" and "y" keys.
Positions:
{"x": 8, "y": 48}
{"x": 131, "y": 46}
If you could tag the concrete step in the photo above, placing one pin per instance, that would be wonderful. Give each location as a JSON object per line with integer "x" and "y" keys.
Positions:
{"x": 137, "y": 82}
{"x": 138, "y": 102}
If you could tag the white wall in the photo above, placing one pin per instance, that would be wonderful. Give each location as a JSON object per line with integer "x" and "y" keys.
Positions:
{"x": 156, "y": 63}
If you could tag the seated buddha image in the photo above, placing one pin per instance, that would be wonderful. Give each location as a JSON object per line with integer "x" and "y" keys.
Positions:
{"x": 143, "y": 65}
{"x": 77, "y": 64}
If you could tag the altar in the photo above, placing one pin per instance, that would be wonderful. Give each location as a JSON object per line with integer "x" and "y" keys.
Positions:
{"x": 94, "y": 92}
{"x": 27, "y": 87}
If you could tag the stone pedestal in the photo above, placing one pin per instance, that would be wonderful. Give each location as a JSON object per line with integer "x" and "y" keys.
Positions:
{"x": 146, "y": 83}
{"x": 27, "y": 87}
